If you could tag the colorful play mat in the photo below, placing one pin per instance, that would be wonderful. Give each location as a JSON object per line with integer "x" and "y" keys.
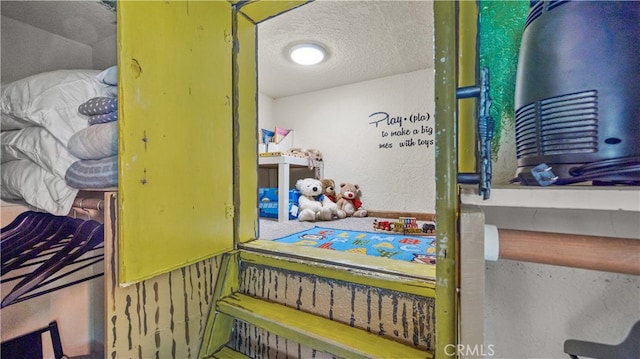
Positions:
{"x": 420, "y": 249}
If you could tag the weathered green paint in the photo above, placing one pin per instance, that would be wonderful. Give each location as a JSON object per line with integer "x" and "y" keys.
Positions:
{"x": 501, "y": 26}
{"x": 228, "y": 353}
{"x": 245, "y": 81}
{"x": 175, "y": 90}
{"x": 402, "y": 317}
{"x": 258, "y": 11}
{"x": 245, "y": 108}
{"x": 218, "y": 327}
{"x": 378, "y": 272}
{"x": 314, "y": 331}
{"x": 467, "y": 69}
{"x": 160, "y": 317}
{"x": 445, "y": 17}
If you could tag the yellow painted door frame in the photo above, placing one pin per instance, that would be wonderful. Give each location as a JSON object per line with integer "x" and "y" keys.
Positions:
{"x": 455, "y": 24}
{"x": 446, "y": 22}
{"x": 245, "y": 75}
{"x": 446, "y": 172}
{"x": 188, "y": 138}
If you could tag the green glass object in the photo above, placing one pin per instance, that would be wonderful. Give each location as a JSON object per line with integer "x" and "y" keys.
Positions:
{"x": 501, "y": 25}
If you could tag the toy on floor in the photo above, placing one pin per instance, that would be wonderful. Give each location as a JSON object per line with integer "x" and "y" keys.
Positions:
{"x": 405, "y": 225}
{"x": 313, "y": 156}
{"x": 330, "y": 196}
{"x": 329, "y": 189}
{"x": 310, "y": 206}
{"x": 349, "y": 203}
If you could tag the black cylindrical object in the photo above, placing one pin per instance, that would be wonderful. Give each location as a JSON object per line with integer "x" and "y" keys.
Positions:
{"x": 577, "y": 96}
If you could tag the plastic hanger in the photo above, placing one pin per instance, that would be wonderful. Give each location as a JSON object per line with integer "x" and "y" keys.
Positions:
{"x": 33, "y": 248}
{"x": 87, "y": 236}
{"x": 24, "y": 222}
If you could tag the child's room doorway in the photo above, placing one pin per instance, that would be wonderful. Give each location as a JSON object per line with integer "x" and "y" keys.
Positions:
{"x": 362, "y": 116}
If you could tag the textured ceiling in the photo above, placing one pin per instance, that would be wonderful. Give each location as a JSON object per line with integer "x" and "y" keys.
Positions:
{"x": 365, "y": 39}
{"x": 87, "y": 22}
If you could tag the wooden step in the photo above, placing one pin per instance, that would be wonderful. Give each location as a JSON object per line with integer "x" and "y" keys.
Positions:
{"x": 313, "y": 331}
{"x": 228, "y": 353}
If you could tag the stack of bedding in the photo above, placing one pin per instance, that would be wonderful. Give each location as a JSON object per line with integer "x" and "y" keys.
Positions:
{"x": 96, "y": 146}
{"x": 49, "y": 148}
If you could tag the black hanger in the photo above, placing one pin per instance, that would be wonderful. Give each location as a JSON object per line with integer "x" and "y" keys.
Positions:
{"x": 18, "y": 221}
{"x": 24, "y": 222}
{"x": 45, "y": 226}
{"x": 31, "y": 249}
{"x": 87, "y": 236}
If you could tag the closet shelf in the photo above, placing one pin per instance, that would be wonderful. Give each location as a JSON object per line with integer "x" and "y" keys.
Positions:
{"x": 626, "y": 199}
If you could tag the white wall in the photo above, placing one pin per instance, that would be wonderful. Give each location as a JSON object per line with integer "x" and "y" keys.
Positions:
{"x": 104, "y": 53}
{"x": 265, "y": 113}
{"x": 531, "y": 309}
{"x": 367, "y": 149}
{"x": 26, "y": 50}
{"x": 505, "y": 163}
{"x": 79, "y": 309}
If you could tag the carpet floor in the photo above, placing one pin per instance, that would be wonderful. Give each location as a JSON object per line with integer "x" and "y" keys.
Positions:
{"x": 271, "y": 229}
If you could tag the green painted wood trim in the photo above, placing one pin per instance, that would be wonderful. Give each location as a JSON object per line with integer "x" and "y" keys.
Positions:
{"x": 228, "y": 353}
{"x": 245, "y": 107}
{"x": 170, "y": 219}
{"x": 467, "y": 69}
{"x": 446, "y": 175}
{"x": 258, "y": 11}
{"x": 219, "y": 326}
{"x": 405, "y": 277}
{"x": 217, "y": 334}
{"x": 315, "y": 332}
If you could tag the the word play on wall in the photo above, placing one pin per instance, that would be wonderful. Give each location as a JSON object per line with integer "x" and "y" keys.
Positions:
{"x": 403, "y": 131}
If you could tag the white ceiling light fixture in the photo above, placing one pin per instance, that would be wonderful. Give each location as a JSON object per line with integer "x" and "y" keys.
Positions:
{"x": 307, "y": 54}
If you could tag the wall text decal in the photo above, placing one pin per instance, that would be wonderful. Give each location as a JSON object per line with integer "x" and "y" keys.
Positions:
{"x": 403, "y": 131}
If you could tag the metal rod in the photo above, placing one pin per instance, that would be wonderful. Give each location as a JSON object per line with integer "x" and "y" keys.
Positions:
{"x": 446, "y": 172}
{"x": 468, "y": 178}
{"x": 467, "y": 92}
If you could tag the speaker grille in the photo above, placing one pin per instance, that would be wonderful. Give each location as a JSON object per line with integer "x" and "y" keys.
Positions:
{"x": 534, "y": 12}
{"x": 539, "y": 8}
{"x": 566, "y": 124}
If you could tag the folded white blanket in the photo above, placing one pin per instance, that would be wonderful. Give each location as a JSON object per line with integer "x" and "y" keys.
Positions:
{"x": 26, "y": 183}
{"x": 39, "y": 115}
{"x": 37, "y": 145}
{"x": 95, "y": 142}
{"x": 50, "y": 100}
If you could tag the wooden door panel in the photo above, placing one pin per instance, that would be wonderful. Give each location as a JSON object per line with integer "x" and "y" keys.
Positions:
{"x": 175, "y": 188}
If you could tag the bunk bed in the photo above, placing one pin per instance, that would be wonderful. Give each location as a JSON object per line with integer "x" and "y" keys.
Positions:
{"x": 59, "y": 153}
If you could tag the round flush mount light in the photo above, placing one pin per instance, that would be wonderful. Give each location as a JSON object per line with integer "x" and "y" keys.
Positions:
{"x": 307, "y": 54}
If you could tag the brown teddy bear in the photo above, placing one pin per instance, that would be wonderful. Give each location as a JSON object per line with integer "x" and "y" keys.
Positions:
{"x": 349, "y": 203}
{"x": 330, "y": 196}
{"x": 329, "y": 189}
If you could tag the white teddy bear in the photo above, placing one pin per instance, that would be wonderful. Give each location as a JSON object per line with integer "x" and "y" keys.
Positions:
{"x": 310, "y": 202}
